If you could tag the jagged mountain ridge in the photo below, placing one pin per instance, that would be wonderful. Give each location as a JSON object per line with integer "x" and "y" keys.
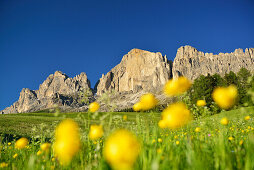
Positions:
{"x": 57, "y": 89}
{"x": 139, "y": 71}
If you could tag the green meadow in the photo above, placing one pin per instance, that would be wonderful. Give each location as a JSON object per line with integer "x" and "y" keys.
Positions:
{"x": 215, "y": 146}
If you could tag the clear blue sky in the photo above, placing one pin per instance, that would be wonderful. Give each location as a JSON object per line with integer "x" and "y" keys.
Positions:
{"x": 38, "y": 37}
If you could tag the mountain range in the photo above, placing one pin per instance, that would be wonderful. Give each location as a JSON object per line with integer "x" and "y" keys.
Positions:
{"x": 138, "y": 72}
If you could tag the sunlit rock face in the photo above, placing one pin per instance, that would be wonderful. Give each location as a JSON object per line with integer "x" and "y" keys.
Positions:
{"x": 138, "y": 70}
{"x": 58, "y": 89}
{"x": 192, "y": 63}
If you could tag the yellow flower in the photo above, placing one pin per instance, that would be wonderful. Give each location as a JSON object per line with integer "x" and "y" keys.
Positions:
{"x": 39, "y": 152}
{"x": 158, "y": 150}
{"x": 153, "y": 141}
{"x": 176, "y": 115}
{"x": 67, "y": 142}
{"x": 201, "y": 103}
{"x": 93, "y": 107}
{"x": 21, "y": 143}
{"x": 177, "y": 86}
{"x": 137, "y": 107}
{"x": 159, "y": 140}
{"x": 230, "y": 138}
{"x": 247, "y": 118}
{"x": 162, "y": 124}
{"x": 241, "y": 142}
{"x": 121, "y": 149}
{"x": 53, "y": 159}
{"x": 125, "y": 117}
{"x": 3, "y": 165}
{"x": 96, "y": 132}
{"x": 45, "y": 147}
{"x": 197, "y": 129}
{"x": 148, "y": 101}
{"x": 225, "y": 96}
{"x": 15, "y": 155}
{"x": 177, "y": 142}
{"x": 224, "y": 121}
{"x": 9, "y": 143}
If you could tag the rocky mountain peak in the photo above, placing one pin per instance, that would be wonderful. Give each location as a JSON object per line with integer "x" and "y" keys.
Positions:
{"x": 58, "y": 89}
{"x": 192, "y": 63}
{"x": 139, "y": 69}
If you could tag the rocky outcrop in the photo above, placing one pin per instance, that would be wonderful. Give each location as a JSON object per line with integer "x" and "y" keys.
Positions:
{"x": 58, "y": 89}
{"x": 192, "y": 63}
{"x": 138, "y": 70}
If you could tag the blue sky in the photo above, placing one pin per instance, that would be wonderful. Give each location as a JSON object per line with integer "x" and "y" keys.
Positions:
{"x": 38, "y": 37}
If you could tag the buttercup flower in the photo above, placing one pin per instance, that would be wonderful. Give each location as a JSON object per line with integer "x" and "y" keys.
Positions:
{"x": 3, "y": 165}
{"x": 125, "y": 117}
{"x": 224, "y": 121}
{"x": 93, "y": 107}
{"x": 96, "y": 132}
{"x": 15, "y": 155}
{"x": 162, "y": 124}
{"x": 201, "y": 103}
{"x": 21, "y": 143}
{"x": 159, "y": 140}
{"x": 197, "y": 129}
{"x": 121, "y": 149}
{"x": 148, "y": 101}
{"x": 230, "y": 138}
{"x": 45, "y": 147}
{"x": 67, "y": 142}
{"x": 137, "y": 107}
{"x": 39, "y": 152}
{"x": 177, "y": 86}
{"x": 247, "y": 118}
{"x": 225, "y": 96}
{"x": 176, "y": 115}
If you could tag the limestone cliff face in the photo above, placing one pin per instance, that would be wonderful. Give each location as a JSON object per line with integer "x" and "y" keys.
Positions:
{"x": 192, "y": 63}
{"x": 58, "y": 89}
{"x": 139, "y": 72}
{"x": 138, "y": 69}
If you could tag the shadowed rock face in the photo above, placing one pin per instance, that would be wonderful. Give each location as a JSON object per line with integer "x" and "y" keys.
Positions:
{"x": 58, "y": 89}
{"x": 192, "y": 63}
{"x": 138, "y": 70}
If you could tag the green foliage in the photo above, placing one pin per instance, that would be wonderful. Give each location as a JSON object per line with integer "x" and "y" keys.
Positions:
{"x": 203, "y": 87}
{"x": 84, "y": 96}
{"x": 210, "y": 148}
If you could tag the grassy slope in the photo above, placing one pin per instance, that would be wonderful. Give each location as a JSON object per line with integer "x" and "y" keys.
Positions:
{"x": 28, "y": 124}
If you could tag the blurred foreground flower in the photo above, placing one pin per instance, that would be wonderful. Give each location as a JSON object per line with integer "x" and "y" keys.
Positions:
{"x": 93, "y": 107}
{"x": 197, "y": 129}
{"x": 67, "y": 141}
{"x": 15, "y": 155}
{"x": 224, "y": 121}
{"x": 137, "y": 107}
{"x": 21, "y": 143}
{"x": 175, "y": 116}
{"x": 121, "y": 149}
{"x": 147, "y": 102}
{"x": 96, "y": 132}
{"x": 177, "y": 86}
{"x": 3, "y": 165}
{"x": 201, "y": 103}
{"x": 125, "y": 117}
{"x": 45, "y": 147}
{"x": 247, "y": 118}
{"x": 225, "y": 97}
